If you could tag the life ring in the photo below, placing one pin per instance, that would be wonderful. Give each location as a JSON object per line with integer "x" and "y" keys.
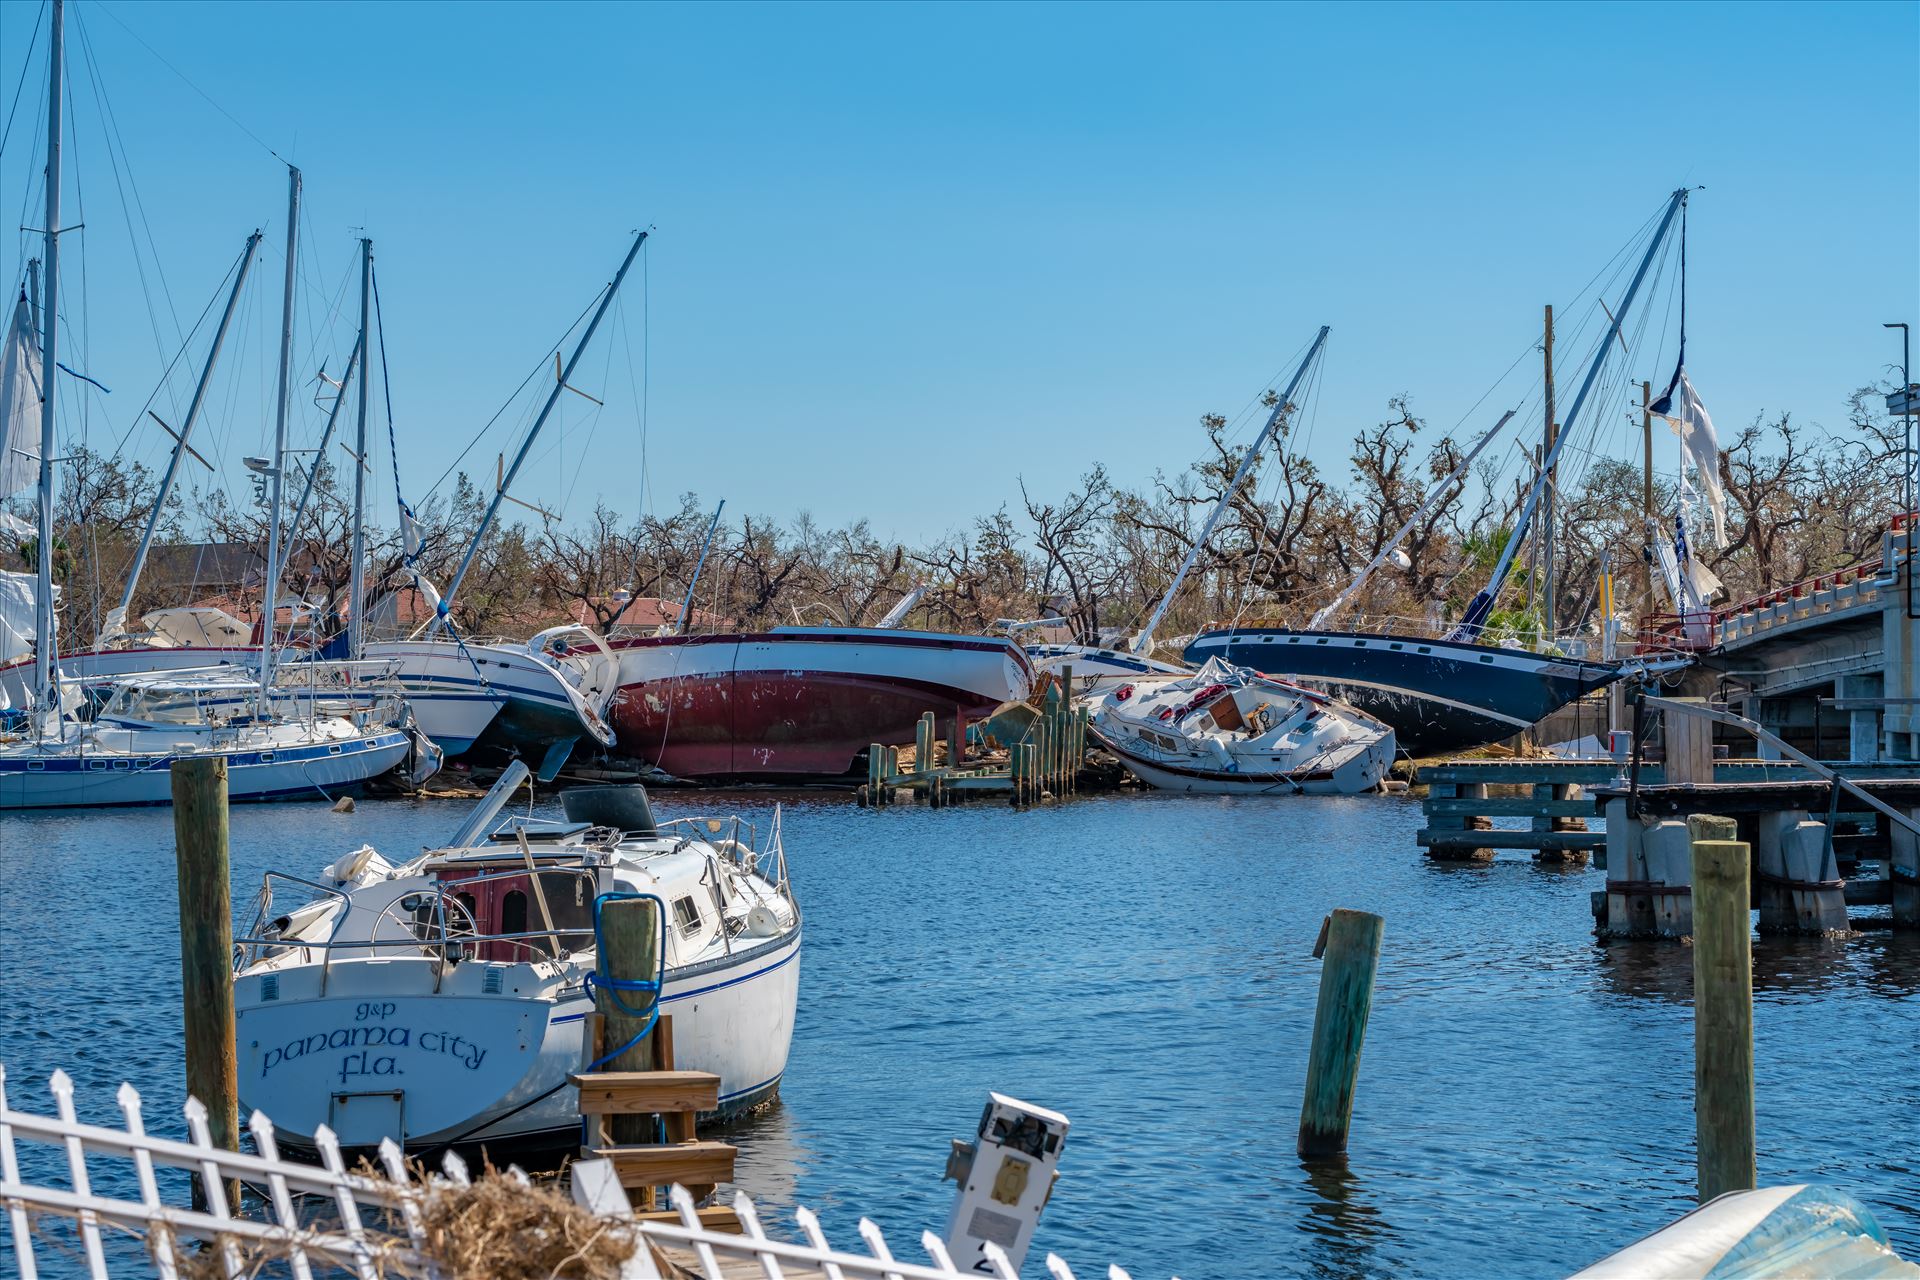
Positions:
{"x": 1124, "y": 692}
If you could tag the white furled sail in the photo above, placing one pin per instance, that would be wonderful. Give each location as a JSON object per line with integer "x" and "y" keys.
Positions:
{"x": 1702, "y": 445}
{"x": 21, "y": 393}
{"x": 16, "y": 615}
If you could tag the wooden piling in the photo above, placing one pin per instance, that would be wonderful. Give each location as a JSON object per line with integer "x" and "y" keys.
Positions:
{"x": 1903, "y": 871}
{"x": 206, "y": 948}
{"x": 629, "y": 952}
{"x": 1351, "y": 950}
{"x": 924, "y": 734}
{"x": 957, "y": 743}
{"x": 1689, "y": 740}
{"x": 1722, "y": 1008}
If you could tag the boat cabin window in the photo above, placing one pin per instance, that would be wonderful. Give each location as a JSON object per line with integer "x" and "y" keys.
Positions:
{"x": 686, "y": 914}
{"x": 513, "y": 912}
{"x": 502, "y": 904}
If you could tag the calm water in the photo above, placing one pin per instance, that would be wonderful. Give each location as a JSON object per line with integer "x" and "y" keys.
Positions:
{"x": 1142, "y": 964}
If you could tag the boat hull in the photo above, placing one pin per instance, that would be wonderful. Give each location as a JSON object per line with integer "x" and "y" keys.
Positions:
{"x": 799, "y": 705}
{"x": 482, "y": 695}
{"x": 318, "y": 771}
{"x": 1357, "y": 773}
{"x": 100, "y": 666}
{"x": 380, "y": 1054}
{"x": 1439, "y": 696}
{"x": 1099, "y": 671}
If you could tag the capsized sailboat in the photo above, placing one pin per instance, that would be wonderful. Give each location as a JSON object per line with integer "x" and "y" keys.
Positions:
{"x": 442, "y": 1001}
{"x": 1454, "y": 693}
{"x": 537, "y": 699}
{"x": 1099, "y": 669}
{"x": 1230, "y": 731}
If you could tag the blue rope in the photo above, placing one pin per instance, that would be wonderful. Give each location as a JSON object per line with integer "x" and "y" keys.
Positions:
{"x": 600, "y": 980}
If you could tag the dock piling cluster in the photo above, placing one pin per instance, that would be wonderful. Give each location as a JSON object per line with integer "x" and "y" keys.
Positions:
{"x": 1043, "y": 765}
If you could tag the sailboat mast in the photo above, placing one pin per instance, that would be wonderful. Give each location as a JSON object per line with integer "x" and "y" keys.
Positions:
{"x": 444, "y": 611}
{"x": 706, "y": 545}
{"x": 1143, "y": 643}
{"x": 186, "y": 427}
{"x": 326, "y": 438}
{"x": 357, "y": 576}
{"x": 44, "y": 635}
{"x": 1434, "y": 496}
{"x": 1482, "y": 603}
{"x": 270, "y": 592}
{"x": 1550, "y": 503}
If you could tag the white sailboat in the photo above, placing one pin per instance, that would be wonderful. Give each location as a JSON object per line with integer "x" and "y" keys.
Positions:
{"x": 1228, "y": 730}
{"x": 442, "y": 1002}
{"x": 54, "y": 760}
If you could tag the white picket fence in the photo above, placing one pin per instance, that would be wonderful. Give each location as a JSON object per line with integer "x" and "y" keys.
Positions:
{"x": 378, "y": 1232}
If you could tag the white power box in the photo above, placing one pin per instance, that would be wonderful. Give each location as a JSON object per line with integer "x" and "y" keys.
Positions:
{"x": 1005, "y": 1174}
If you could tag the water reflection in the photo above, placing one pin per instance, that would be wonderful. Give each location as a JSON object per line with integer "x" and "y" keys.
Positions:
{"x": 1785, "y": 966}
{"x": 1345, "y": 1222}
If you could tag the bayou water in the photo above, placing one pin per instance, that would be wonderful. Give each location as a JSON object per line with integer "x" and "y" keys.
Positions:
{"x": 1141, "y": 963}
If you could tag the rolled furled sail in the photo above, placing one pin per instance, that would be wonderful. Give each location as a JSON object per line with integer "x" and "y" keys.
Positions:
{"x": 16, "y": 614}
{"x": 1701, "y": 443}
{"x": 21, "y": 394}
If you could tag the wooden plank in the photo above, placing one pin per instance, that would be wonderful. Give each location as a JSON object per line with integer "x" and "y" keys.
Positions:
{"x": 1517, "y": 808}
{"x": 1522, "y": 771}
{"x": 691, "y": 1164}
{"x": 1429, "y": 838}
{"x": 715, "y": 1217}
{"x": 627, "y": 1093}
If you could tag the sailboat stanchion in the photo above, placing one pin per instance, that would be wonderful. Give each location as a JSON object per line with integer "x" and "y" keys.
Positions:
{"x": 206, "y": 948}
{"x": 1350, "y": 945}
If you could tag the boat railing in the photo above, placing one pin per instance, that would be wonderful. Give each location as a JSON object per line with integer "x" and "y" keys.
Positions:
{"x": 741, "y": 844}
{"x": 431, "y": 920}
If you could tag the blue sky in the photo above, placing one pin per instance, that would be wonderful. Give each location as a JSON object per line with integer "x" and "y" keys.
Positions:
{"x": 904, "y": 255}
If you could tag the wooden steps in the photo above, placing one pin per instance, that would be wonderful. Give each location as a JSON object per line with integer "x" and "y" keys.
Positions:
{"x": 677, "y": 1098}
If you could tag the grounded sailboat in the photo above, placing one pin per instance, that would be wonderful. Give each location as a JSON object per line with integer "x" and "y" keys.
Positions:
{"x": 1099, "y": 669}
{"x": 536, "y": 699}
{"x": 800, "y": 703}
{"x": 1453, "y": 693}
{"x": 1225, "y": 730}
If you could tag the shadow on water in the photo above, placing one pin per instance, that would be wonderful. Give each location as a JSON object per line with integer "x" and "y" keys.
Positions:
{"x": 1784, "y": 966}
{"x": 1344, "y": 1221}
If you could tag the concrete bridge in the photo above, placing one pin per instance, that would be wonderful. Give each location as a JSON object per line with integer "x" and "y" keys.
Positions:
{"x": 1831, "y": 664}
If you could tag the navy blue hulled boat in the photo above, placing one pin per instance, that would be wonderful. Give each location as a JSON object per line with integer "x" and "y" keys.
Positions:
{"x": 1452, "y": 694}
{"x": 1440, "y": 696}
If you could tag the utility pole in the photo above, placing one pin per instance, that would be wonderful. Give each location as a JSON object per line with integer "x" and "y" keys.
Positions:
{"x": 1547, "y": 530}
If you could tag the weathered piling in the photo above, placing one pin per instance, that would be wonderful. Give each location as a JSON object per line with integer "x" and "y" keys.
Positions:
{"x": 1689, "y": 744}
{"x": 206, "y": 946}
{"x": 629, "y": 945}
{"x": 1800, "y": 889}
{"x": 924, "y": 734}
{"x": 1903, "y": 870}
{"x": 1350, "y": 945}
{"x": 1722, "y": 1008}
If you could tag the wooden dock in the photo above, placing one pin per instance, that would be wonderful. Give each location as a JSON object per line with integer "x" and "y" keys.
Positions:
{"x": 1043, "y": 762}
{"x": 1464, "y": 796}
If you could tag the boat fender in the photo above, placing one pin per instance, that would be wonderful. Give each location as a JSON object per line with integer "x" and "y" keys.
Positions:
{"x": 1219, "y": 749}
{"x": 1124, "y": 692}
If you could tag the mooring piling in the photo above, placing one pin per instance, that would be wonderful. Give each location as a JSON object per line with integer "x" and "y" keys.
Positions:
{"x": 629, "y": 943}
{"x": 1350, "y": 945}
{"x": 1722, "y": 1008}
{"x": 206, "y": 946}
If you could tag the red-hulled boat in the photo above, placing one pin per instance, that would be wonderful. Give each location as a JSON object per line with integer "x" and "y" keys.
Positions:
{"x": 799, "y": 703}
